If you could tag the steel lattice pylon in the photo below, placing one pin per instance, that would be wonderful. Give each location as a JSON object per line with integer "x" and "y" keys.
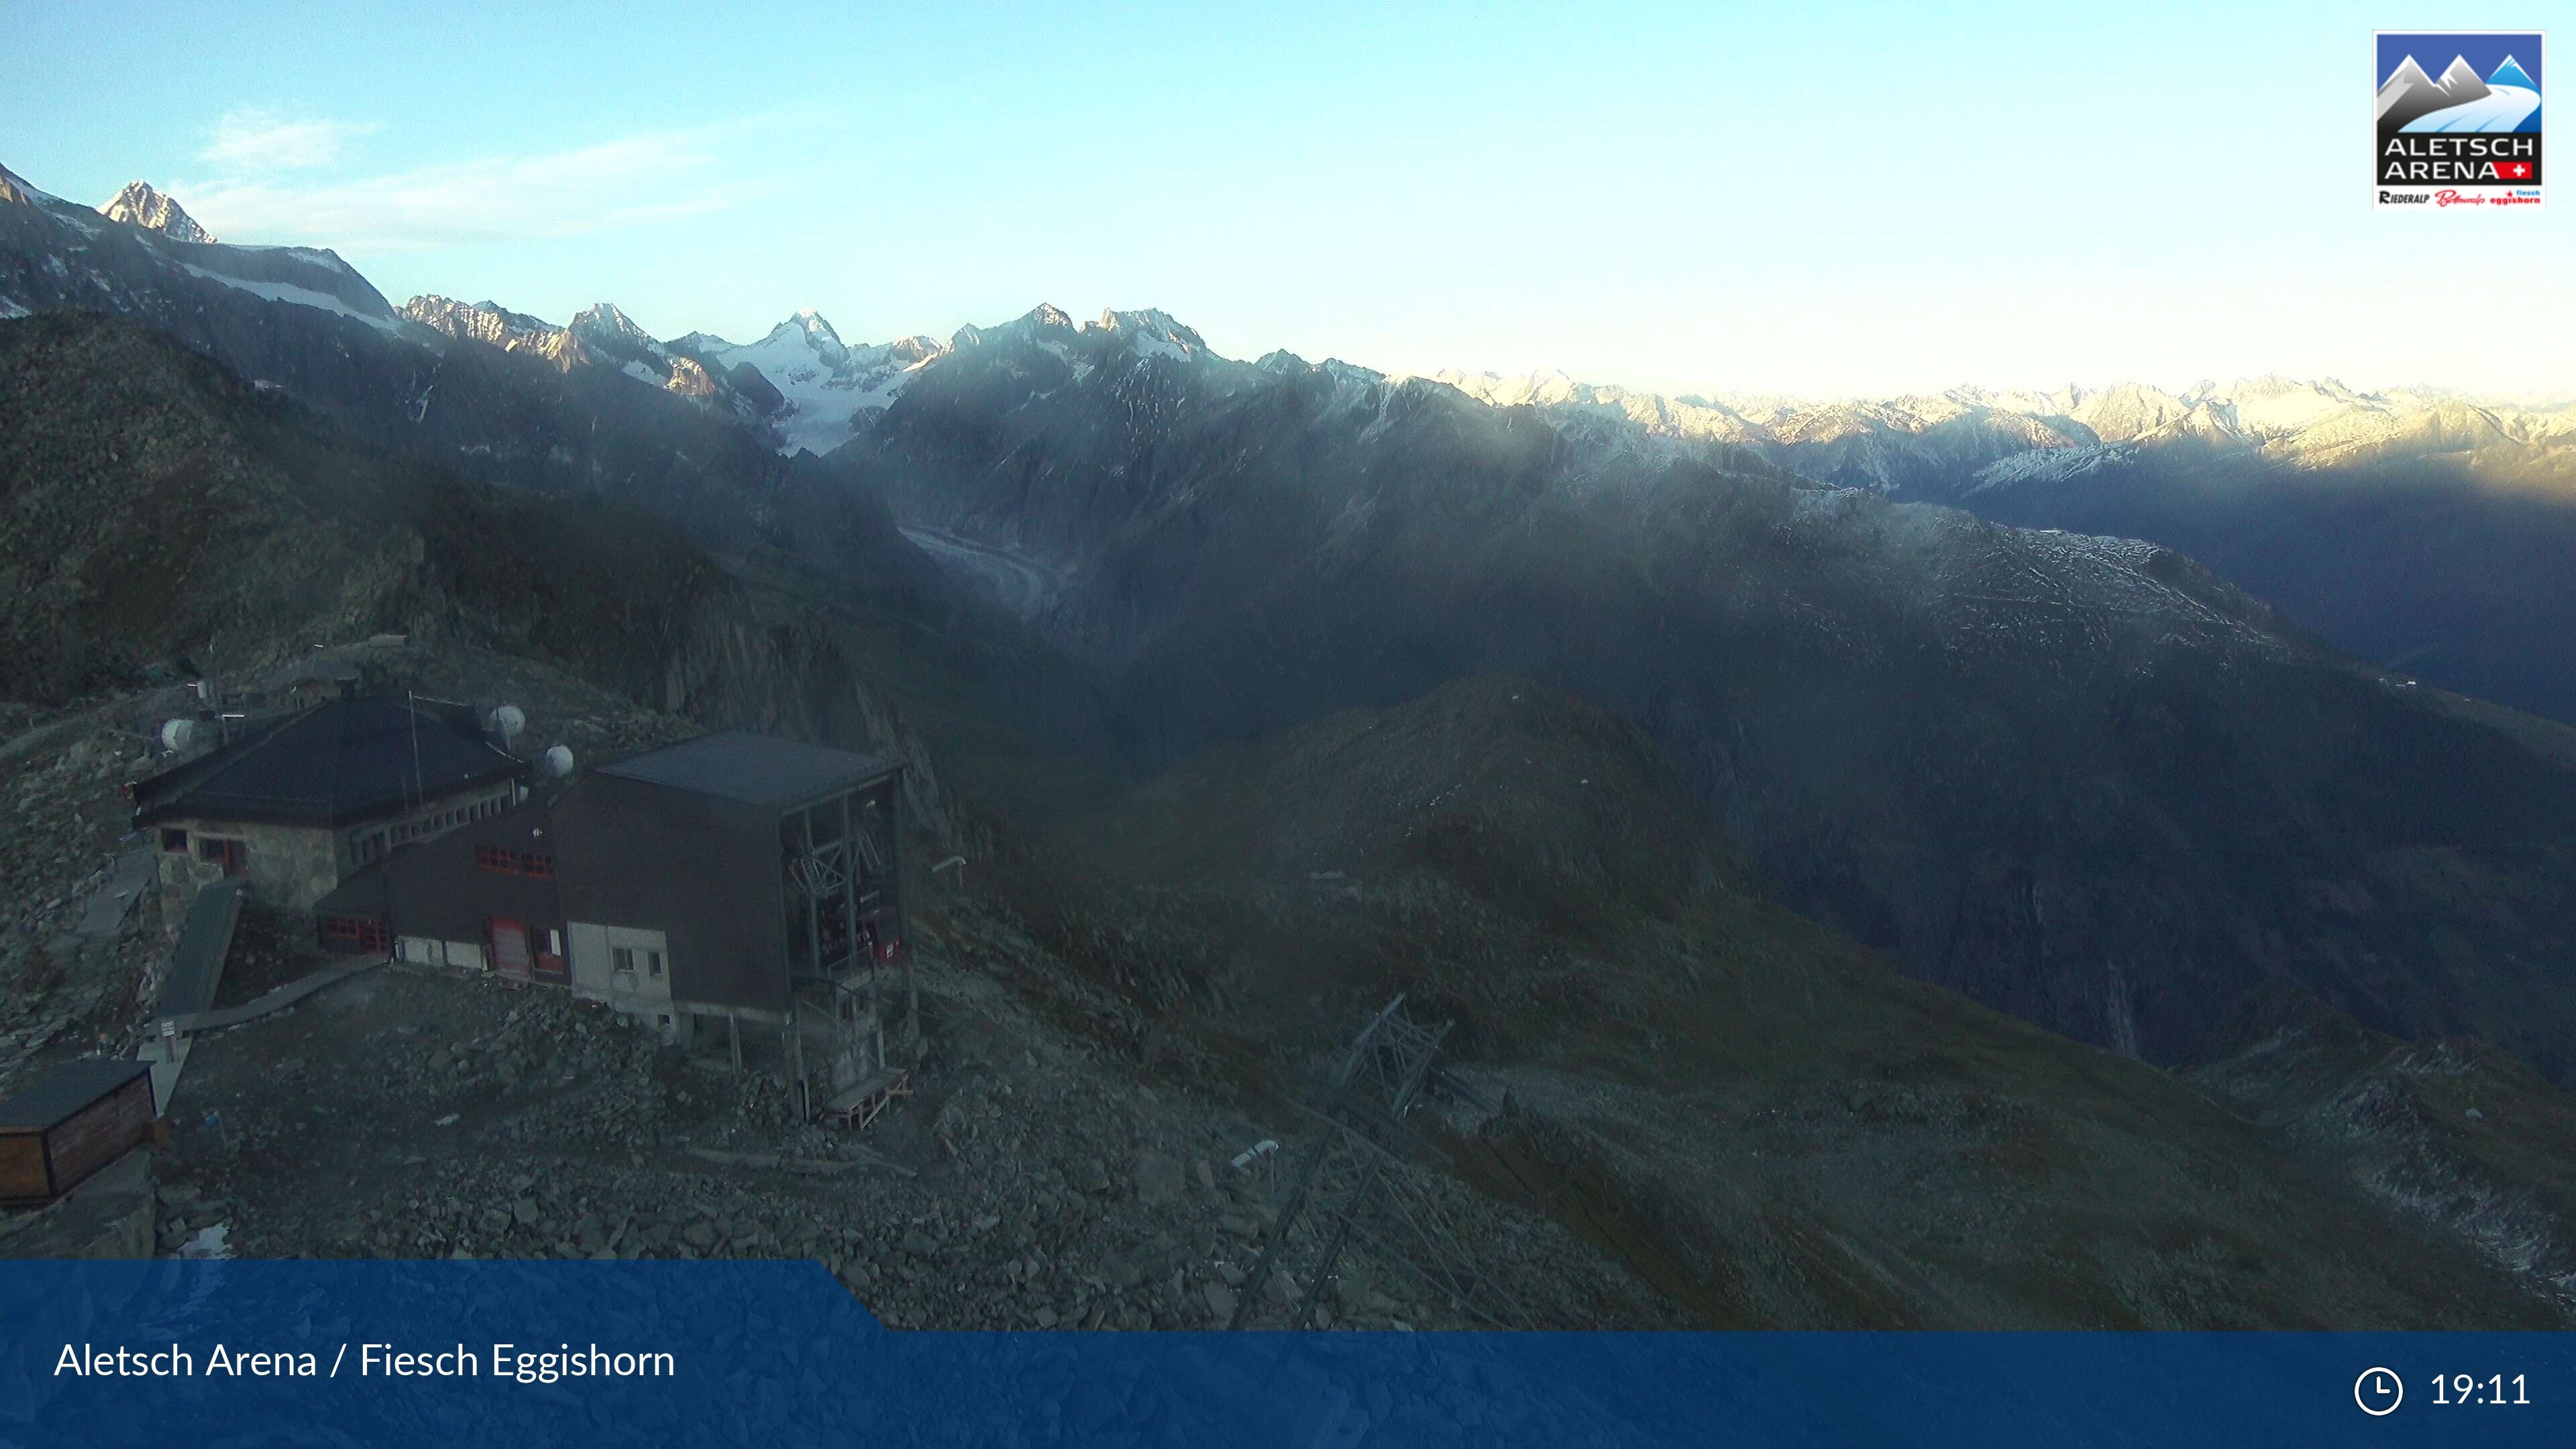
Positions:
{"x": 819, "y": 872}
{"x": 1341, "y": 1190}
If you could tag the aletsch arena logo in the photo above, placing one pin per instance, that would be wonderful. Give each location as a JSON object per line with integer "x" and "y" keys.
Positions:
{"x": 2456, "y": 119}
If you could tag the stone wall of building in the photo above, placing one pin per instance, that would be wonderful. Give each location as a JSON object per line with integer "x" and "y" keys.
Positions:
{"x": 294, "y": 866}
{"x": 291, "y": 866}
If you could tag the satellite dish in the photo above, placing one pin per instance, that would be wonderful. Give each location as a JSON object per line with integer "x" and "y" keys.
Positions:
{"x": 507, "y": 721}
{"x": 558, "y": 760}
{"x": 178, "y": 734}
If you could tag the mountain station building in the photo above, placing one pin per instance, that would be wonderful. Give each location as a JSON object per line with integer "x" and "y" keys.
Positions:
{"x": 296, "y": 802}
{"x": 732, "y": 883}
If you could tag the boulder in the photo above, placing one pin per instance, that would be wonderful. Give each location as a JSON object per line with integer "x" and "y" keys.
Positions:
{"x": 1159, "y": 1179}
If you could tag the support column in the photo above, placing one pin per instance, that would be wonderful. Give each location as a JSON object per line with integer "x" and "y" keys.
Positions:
{"x": 902, "y": 916}
{"x": 852, "y": 861}
{"x": 813, "y": 907}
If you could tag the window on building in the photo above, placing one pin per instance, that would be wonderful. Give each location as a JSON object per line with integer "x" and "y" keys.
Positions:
{"x": 623, "y": 958}
{"x": 174, "y": 840}
{"x": 356, "y": 931}
{"x": 233, "y": 855}
{"x": 653, "y": 964}
{"x": 534, "y": 864}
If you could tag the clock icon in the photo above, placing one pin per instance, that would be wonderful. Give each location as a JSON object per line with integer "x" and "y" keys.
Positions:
{"x": 2378, "y": 1391}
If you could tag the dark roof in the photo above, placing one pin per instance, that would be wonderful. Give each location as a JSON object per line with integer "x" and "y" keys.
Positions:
{"x": 754, "y": 769}
{"x": 52, "y": 1099}
{"x": 437, "y": 880}
{"x": 335, "y": 763}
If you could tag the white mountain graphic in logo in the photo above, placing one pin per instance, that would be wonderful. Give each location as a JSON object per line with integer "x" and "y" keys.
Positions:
{"x": 2460, "y": 101}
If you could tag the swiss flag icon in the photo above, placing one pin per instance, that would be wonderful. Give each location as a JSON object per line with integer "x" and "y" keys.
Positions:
{"x": 2514, "y": 170}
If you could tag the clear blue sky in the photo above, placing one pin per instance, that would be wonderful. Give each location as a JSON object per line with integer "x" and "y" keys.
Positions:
{"x": 1686, "y": 197}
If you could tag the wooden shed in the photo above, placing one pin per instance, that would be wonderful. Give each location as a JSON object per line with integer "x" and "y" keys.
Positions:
{"x": 69, "y": 1123}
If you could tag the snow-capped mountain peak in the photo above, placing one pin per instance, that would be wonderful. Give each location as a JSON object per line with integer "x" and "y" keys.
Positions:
{"x": 494, "y": 325}
{"x": 1902, "y": 444}
{"x": 1153, "y": 329}
{"x": 140, "y": 205}
{"x": 1032, "y": 325}
{"x": 807, "y": 331}
{"x": 823, "y": 385}
{"x": 605, "y": 320}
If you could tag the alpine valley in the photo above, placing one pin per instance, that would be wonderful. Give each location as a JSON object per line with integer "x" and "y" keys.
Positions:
{"x": 1996, "y": 859}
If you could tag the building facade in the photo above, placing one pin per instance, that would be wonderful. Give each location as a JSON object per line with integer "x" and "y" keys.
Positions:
{"x": 298, "y": 803}
{"x": 734, "y": 884}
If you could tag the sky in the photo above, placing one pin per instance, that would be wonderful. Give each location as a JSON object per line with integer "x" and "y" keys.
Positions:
{"x": 1690, "y": 198}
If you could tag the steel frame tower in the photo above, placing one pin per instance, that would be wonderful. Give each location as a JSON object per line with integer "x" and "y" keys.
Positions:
{"x": 1342, "y": 1189}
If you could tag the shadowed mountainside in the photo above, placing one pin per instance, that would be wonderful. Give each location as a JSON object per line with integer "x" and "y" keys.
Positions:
{"x": 2082, "y": 779}
{"x": 159, "y": 507}
{"x": 2453, "y": 567}
{"x": 1766, "y": 1122}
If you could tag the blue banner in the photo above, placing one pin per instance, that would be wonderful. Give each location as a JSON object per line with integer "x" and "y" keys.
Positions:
{"x": 394, "y": 1354}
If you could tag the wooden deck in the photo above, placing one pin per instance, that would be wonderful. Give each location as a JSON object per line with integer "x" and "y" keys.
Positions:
{"x": 860, "y": 1103}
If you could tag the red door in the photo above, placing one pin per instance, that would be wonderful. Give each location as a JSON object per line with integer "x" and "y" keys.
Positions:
{"x": 509, "y": 947}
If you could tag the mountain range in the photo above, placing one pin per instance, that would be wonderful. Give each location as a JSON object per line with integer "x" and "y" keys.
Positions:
{"x": 1708, "y": 1110}
{"x": 1638, "y": 737}
{"x": 2419, "y": 528}
{"x": 2080, "y": 777}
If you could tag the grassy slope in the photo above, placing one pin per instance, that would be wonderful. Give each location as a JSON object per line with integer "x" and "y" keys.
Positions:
{"x": 1760, "y": 1117}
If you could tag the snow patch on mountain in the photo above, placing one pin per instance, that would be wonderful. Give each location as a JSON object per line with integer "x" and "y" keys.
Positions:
{"x": 297, "y": 296}
{"x": 2051, "y": 465}
{"x": 828, "y": 385}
